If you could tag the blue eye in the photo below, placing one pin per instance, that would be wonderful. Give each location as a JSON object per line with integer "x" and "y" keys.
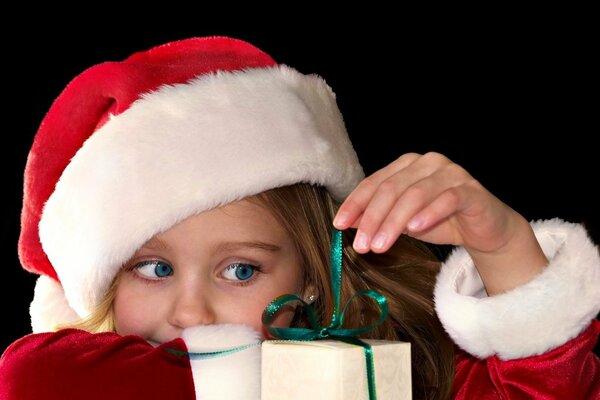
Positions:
{"x": 239, "y": 272}
{"x": 154, "y": 269}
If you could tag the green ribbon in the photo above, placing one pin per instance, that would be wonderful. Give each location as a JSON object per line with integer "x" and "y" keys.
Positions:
{"x": 212, "y": 354}
{"x": 334, "y": 330}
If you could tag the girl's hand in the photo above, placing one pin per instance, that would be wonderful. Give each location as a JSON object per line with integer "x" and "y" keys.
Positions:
{"x": 435, "y": 200}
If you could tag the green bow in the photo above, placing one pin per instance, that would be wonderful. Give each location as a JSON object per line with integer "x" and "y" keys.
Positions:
{"x": 334, "y": 330}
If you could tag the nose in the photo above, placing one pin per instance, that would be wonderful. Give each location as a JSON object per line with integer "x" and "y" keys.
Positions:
{"x": 191, "y": 307}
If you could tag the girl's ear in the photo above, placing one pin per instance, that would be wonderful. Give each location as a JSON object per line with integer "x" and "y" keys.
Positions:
{"x": 310, "y": 293}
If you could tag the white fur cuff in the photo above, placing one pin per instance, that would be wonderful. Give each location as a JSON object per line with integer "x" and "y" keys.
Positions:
{"x": 533, "y": 318}
{"x": 233, "y": 376}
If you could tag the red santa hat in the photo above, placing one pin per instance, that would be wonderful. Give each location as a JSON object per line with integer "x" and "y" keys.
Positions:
{"x": 131, "y": 148}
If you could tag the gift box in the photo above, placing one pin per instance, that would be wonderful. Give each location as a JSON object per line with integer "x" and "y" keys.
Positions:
{"x": 334, "y": 370}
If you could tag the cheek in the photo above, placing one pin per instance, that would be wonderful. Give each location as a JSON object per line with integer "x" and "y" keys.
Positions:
{"x": 250, "y": 313}
{"x": 134, "y": 314}
{"x": 252, "y": 309}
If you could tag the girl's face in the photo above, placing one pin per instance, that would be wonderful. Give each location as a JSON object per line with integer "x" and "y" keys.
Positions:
{"x": 221, "y": 266}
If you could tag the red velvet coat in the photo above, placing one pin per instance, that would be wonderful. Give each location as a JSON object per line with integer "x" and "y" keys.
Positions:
{"x": 73, "y": 364}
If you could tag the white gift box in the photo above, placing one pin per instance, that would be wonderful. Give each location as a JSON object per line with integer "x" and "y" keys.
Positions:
{"x": 334, "y": 370}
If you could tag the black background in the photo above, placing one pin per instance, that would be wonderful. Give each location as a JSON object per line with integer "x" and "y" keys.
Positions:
{"x": 509, "y": 99}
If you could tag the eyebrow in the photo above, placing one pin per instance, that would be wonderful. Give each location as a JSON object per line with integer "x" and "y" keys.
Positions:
{"x": 159, "y": 244}
{"x": 156, "y": 243}
{"x": 252, "y": 244}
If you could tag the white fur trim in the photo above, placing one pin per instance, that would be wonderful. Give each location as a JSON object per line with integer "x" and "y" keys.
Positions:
{"x": 49, "y": 307}
{"x": 533, "y": 318}
{"x": 156, "y": 164}
{"x": 234, "y": 376}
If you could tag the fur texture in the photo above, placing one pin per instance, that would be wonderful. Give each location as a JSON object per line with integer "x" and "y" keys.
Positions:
{"x": 100, "y": 92}
{"x": 540, "y": 315}
{"x": 49, "y": 307}
{"x": 235, "y": 376}
{"x": 162, "y": 160}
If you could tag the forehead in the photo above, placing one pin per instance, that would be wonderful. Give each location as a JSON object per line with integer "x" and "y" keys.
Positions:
{"x": 245, "y": 219}
{"x": 246, "y": 212}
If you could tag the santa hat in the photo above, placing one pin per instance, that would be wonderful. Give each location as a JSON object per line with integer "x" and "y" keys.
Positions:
{"x": 131, "y": 148}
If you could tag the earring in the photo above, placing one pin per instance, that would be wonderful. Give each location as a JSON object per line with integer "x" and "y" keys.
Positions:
{"x": 311, "y": 299}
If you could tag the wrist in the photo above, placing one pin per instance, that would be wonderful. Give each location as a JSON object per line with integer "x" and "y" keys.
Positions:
{"x": 560, "y": 301}
{"x": 515, "y": 263}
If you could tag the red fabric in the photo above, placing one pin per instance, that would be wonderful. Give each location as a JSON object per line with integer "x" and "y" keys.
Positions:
{"x": 73, "y": 364}
{"x": 570, "y": 371}
{"x": 105, "y": 89}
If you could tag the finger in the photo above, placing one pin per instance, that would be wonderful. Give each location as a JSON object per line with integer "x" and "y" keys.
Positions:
{"x": 468, "y": 209}
{"x": 397, "y": 165}
{"x": 357, "y": 222}
{"x": 354, "y": 205}
{"x": 415, "y": 198}
{"x": 380, "y": 238}
{"x": 443, "y": 206}
{"x": 376, "y": 212}
{"x": 429, "y": 224}
{"x": 412, "y": 166}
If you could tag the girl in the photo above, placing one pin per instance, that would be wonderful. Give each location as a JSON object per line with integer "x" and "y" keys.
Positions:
{"x": 170, "y": 197}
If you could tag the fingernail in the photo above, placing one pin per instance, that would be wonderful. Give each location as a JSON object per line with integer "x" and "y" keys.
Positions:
{"x": 360, "y": 242}
{"x": 379, "y": 240}
{"x": 341, "y": 220}
{"x": 415, "y": 223}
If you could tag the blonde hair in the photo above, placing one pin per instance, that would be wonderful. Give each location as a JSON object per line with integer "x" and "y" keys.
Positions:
{"x": 102, "y": 318}
{"x": 405, "y": 275}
